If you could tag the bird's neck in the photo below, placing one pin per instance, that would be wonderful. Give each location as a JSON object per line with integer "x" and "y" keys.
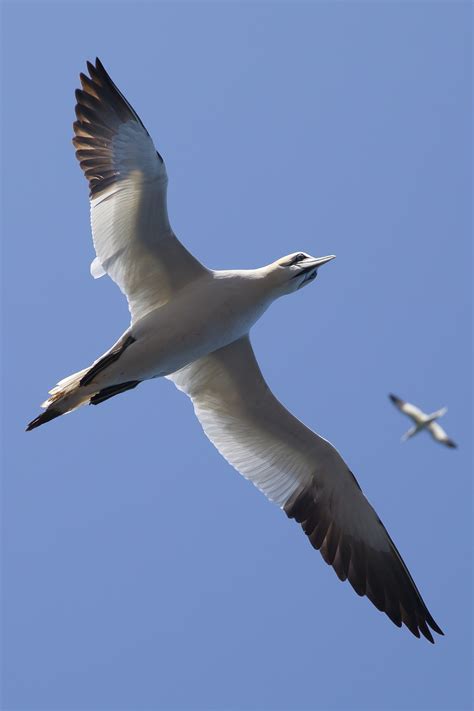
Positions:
{"x": 259, "y": 283}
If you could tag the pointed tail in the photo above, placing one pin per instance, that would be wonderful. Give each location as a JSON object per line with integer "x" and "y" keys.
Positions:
{"x": 412, "y": 431}
{"x": 65, "y": 397}
{"x": 69, "y": 394}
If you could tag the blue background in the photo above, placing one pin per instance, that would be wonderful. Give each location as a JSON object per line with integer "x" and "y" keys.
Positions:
{"x": 140, "y": 571}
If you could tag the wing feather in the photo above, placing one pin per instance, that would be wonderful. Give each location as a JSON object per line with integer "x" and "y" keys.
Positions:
{"x": 304, "y": 475}
{"x": 440, "y": 435}
{"x": 407, "y": 408}
{"x": 127, "y": 177}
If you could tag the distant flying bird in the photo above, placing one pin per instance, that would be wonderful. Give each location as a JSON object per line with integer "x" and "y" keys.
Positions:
{"x": 423, "y": 421}
{"x": 191, "y": 324}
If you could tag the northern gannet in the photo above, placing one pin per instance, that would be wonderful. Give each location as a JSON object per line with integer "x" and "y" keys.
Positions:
{"x": 191, "y": 325}
{"x": 423, "y": 421}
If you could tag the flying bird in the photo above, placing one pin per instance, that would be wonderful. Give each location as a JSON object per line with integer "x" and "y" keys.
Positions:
{"x": 191, "y": 324}
{"x": 423, "y": 421}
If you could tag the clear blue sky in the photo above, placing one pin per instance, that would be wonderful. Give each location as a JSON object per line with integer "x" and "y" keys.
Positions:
{"x": 140, "y": 571}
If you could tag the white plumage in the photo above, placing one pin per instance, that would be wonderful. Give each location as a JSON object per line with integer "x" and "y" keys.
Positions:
{"x": 423, "y": 421}
{"x": 191, "y": 324}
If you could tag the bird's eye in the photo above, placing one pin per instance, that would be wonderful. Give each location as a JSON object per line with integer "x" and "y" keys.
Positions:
{"x": 294, "y": 260}
{"x": 298, "y": 258}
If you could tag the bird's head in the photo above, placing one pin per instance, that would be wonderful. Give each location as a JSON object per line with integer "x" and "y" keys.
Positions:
{"x": 294, "y": 271}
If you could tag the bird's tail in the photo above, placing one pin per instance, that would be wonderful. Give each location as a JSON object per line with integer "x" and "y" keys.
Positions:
{"x": 72, "y": 392}
{"x": 412, "y": 431}
{"x": 438, "y": 413}
{"x": 65, "y": 397}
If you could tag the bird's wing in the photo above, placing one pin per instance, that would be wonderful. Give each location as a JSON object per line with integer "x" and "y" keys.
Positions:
{"x": 440, "y": 435}
{"x": 304, "y": 475}
{"x": 133, "y": 240}
{"x": 407, "y": 408}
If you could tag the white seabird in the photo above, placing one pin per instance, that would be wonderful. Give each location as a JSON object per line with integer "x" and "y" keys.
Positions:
{"x": 423, "y": 421}
{"x": 191, "y": 324}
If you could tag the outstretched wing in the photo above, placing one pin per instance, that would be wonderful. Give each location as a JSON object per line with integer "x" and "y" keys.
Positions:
{"x": 440, "y": 435}
{"x": 133, "y": 240}
{"x": 407, "y": 408}
{"x": 304, "y": 475}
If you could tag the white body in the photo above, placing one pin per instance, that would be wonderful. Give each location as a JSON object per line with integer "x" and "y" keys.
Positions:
{"x": 423, "y": 421}
{"x": 191, "y": 324}
{"x": 211, "y": 312}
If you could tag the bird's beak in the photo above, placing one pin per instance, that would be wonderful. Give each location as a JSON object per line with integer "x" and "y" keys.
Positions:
{"x": 317, "y": 262}
{"x": 309, "y": 268}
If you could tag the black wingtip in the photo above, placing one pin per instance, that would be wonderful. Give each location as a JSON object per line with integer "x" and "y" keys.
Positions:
{"x": 394, "y": 398}
{"x": 435, "y": 627}
{"x": 99, "y": 68}
{"x": 427, "y": 635}
{"x": 42, "y": 419}
{"x": 450, "y": 443}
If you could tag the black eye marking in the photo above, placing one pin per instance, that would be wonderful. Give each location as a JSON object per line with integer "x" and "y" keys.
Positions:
{"x": 297, "y": 258}
{"x": 294, "y": 260}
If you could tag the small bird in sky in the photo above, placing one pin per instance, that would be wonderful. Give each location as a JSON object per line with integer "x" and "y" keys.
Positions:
{"x": 191, "y": 324}
{"x": 423, "y": 421}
